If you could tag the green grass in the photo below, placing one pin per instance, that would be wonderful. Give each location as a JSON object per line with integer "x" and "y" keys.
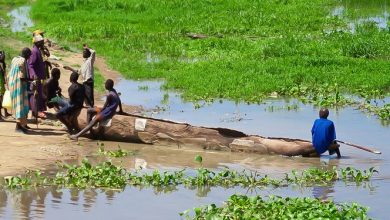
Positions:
{"x": 99, "y": 81}
{"x": 244, "y": 207}
{"x": 107, "y": 174}
{"x": 253, "y": 49}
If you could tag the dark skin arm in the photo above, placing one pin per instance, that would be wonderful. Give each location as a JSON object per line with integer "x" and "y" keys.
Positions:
{"x": 120, "y": 104}
{"x": 107, "y": 101}
{"x": 70, "y": 68}
{"x": 3, "y": 66}
{"x": 3, "y": 70}
{"x": 109, "y": 97}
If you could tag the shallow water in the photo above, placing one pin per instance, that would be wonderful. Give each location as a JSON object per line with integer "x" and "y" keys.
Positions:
{"x": 148, "y": 203}
{"x": 166, "y": 203}
{"x": 352, "y": 125}
{"x": 134, "y": 203}
{"x": 20, "y": 19}
{"x": 358, "y": 12}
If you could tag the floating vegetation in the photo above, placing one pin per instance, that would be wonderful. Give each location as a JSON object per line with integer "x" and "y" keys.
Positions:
{"x": 316, "y": 176}
{"x": 275, "y": 207}
{"x": 251, "y": 50}
{"x": 143, "y": 88}
{"x": 382, "y": 112}
{"x": 292, "y": 107}
{"x": 108, "y": 175}
{"x": 116, "y": 153}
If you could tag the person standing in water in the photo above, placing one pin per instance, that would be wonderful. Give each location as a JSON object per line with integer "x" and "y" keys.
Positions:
{"x": 324, "y": 134}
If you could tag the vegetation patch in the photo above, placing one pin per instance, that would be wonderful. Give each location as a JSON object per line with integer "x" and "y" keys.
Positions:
{"x": 221, "y": 49}
{"x": 115, "y": 153}
{"x": 108, "y": 175}
{"x": 244, "y": 207}
{"x": 242, "y": 52}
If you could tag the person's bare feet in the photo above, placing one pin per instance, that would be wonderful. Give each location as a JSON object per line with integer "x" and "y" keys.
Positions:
{"x": 42, "y": 115}
{"x": 73, "y": 137}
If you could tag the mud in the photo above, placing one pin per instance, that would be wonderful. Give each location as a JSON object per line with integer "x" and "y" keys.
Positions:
{"x": 48, "y": 143}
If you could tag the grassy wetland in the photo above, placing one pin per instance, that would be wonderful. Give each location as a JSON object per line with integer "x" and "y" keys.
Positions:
{"x": 243, "y": 50}
{"x": 107, "y": 175}
{"x": 316, "y": 51}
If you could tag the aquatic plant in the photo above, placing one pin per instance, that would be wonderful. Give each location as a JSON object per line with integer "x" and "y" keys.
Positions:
{"x": 143, "y": 88}
{"x": 316, "y": 176}
{"x": 292, "y": 107}
{"x": 248, "y": 50}
{"x": 275, "y": 207}
{"x": 242, "y": 59}
{"x": 382, "y": 112}
{"x": 108, "y": 175}
{"x": 104, "y": 174}
{"x": 358, "y": 176}
{"x": 198, "y": 159}
{"x": 117, "y": 153}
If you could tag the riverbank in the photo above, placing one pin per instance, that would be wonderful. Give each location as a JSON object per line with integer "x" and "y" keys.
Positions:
{"x": 47, "y": 144}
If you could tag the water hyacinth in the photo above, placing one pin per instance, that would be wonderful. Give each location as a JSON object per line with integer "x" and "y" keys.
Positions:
{"x": 108, "y": 175}
{"x": 244, "y": 207}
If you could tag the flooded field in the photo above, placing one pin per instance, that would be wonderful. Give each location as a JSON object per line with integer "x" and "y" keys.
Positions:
{"x": 274, "y": 117}
{"x": 146, "y": 203}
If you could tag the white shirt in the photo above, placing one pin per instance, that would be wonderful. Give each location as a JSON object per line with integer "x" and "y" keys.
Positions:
{"x": 86, "y": 70}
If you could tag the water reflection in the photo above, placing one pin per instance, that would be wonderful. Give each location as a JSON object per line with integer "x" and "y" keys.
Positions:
{"x": 326, "y": 191}
{"x": 27, "y": 204}
{"x": 150, "y": 203}
{"x": 358, "y": 12}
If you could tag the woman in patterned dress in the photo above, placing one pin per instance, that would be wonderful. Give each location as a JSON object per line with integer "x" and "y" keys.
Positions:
{"x": 17, "y": 84}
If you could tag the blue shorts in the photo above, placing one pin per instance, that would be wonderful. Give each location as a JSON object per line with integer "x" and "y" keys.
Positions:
{"x": 67, "y": 110}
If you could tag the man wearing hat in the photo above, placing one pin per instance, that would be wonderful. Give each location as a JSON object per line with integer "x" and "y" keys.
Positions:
{"x": 44, "y": 51}
{"x": 36, "y": 68}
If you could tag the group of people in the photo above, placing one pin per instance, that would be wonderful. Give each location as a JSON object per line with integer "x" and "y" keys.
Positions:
{"x": 31, "y": 88}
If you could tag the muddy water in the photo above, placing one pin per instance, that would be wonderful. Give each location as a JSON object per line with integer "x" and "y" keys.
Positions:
{"x": 149, "y": 203}
{"x": 269, "y": 119}
{"x": 166, "y": 203}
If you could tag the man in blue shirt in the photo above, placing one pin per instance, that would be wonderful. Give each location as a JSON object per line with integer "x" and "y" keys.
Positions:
{"x": 324, "y": 135}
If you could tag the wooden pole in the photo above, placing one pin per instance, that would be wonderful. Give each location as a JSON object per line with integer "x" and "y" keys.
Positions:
{"x": 361, "y": 147}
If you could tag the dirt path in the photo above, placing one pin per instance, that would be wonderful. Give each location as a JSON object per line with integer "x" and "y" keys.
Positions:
{"x": 49, "y": 143}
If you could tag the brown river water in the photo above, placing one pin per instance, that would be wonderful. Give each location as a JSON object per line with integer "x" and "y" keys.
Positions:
{"x": 269, "y": 119}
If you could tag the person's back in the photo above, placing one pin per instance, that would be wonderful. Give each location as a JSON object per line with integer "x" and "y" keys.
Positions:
{"x": 105, "y": 113}
{"x": 69, "y": 112}
{"x": 111, "y": 105}
{"x": 51, "y": 88}
{"x": 76, "y": 95}
{"x": 323, "y": 134}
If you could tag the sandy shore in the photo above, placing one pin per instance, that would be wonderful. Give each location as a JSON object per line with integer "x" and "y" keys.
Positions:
{"x": 43, "y": 146}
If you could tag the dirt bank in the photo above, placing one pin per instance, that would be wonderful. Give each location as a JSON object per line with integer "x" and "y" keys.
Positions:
{"x": 42, "y": 147}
